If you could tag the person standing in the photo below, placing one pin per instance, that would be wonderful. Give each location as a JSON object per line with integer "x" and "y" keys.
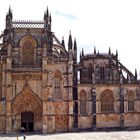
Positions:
{"x": 24, "y": 137}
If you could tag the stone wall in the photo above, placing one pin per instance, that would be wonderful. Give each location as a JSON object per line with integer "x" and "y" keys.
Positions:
{"x": 84, "y": 122}
{"x": 131, "y": 119}
{"x": 108, "y": 120}
{"x": 2, "y": 124}
{"x": 57, "y": 118}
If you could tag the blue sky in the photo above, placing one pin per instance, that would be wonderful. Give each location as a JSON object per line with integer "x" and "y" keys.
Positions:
{"x": 100, "y": 23}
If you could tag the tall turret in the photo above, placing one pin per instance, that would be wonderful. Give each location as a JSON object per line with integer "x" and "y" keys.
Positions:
{"x": 117, "y": 54}
{"x": 63, "y": 42}
{"x": 49, "y": 23}
{"x": 75, "y": 84}
{"x": 9, "y": 17}
{"x": 80, "y": 55}
{"x": 46, "y": 14}
{"x": 70, "y": 44}
{"x": 82, "y": 52}
{"x": 47, "y": 20}
{"x": 48, "y": 32}
{"x": 109, "y": 51}
{"x": 94, "y": 50}
{"x": 75, "y": 50}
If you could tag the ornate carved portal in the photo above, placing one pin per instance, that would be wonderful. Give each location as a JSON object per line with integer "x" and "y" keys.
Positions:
{"x": 27, "y": 103}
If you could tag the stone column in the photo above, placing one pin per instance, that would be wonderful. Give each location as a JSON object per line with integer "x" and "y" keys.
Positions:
{"x": 8, "y": 117}
{"x": 121, "y": 102}
{"x": 121, "y": 106}
{"x": 70, "y": 92}
{"x": 44, "y": 120}
{"x": 8, "y": 90}
{"x": 8, "y": 109}
{"x": 93, "y": 92}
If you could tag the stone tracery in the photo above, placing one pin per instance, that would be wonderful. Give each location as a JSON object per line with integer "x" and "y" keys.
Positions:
{"x": 107, "y": 101}
{"x": 26, "y": 101}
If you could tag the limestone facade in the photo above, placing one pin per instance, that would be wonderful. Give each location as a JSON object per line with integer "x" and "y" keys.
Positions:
{"x": 44, "y": 89}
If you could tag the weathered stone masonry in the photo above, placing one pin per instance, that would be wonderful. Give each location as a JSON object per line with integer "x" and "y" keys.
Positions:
{"x": 43, "y": 87}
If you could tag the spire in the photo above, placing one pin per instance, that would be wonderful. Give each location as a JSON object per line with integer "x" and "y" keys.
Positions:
{"x": 94, "y": 50}
{"x": 63, "y": 42}
{"x": 109, "y": 52}
{"x": 47, "y": 12}
{"x": 9, "y": 17}
{"x": 49, "y": 23}
{"x": 116, "y": 53}
{"x": 70, "y": 42}
{"x": 82, "y": 52}
{"x": 136, "y": 73}
{"x": 10, "y": 12}
{"x": 9, "y": 9}
{"x": 50, "y": 18}
{"x": 80, "y": 55}
{"x": 44, "y": 15}
{"x": 75, "y": 45}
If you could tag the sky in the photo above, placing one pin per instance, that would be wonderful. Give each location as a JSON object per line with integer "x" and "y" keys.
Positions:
{"x": 99, "y": 23}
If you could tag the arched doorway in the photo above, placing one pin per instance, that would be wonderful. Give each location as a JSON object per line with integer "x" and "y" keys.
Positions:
{"x": 27, "y": 111}
{"x": 27, "y": 121}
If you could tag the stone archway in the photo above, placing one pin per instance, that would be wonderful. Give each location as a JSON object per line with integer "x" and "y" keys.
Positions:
{"x": 27, "y": 101}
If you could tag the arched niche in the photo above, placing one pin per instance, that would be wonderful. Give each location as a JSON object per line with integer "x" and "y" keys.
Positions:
{"x": 28, "y": 46}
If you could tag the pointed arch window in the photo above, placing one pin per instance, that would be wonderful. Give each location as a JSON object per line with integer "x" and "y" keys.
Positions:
{"x": 83, "y": 103}
{"x": 107, "y": 102}
{"x": 90, "y": 70}
{"x": 131, "y": 99}
{"x": 57, "y": 85}
{"x": 102, "y": 73}
{"x": 28, "y": 53}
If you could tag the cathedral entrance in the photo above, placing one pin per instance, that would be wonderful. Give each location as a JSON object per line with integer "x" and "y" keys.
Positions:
{"x": 27, "y": 121}
{"x": 27, "y": 105}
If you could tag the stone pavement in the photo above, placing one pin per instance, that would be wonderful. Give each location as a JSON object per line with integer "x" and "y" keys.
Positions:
{"x": 118, "y": 135}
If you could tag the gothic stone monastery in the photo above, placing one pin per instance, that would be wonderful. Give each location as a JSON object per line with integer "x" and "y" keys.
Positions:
{"x": 43, "y": 87}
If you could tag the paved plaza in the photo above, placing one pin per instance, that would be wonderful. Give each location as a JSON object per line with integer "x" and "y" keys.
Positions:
{"x": 118, "y": 135}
